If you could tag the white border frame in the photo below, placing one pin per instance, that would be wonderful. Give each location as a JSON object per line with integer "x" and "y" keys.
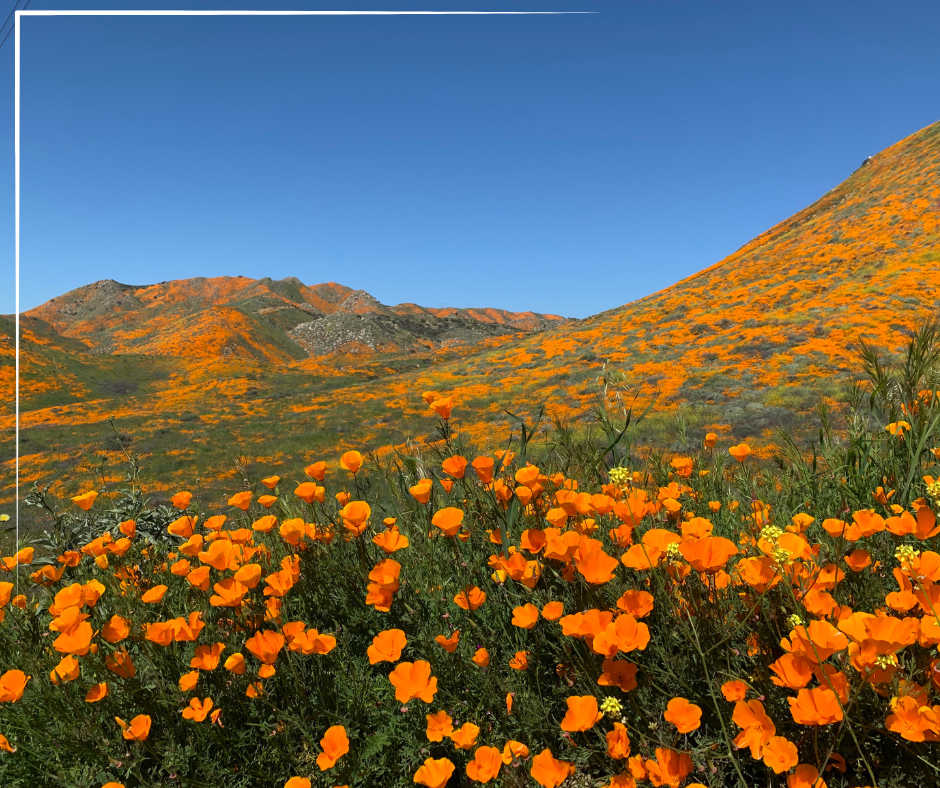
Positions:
{"x": 16, "y": 142}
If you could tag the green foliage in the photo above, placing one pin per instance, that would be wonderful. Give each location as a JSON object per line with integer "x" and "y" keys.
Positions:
{"x": 704, "y": 629}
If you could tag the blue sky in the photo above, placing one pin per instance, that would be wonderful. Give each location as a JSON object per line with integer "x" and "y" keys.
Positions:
{"x": 564, "y": 164}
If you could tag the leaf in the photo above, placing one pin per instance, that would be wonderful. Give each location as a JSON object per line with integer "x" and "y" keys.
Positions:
{"x": 374, "y": 745}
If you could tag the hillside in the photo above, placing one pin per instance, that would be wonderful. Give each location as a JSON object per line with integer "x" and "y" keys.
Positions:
{"x": 206, "y": 374}
{"x": 266, "y": 319}
{"x": 754, "y": 340}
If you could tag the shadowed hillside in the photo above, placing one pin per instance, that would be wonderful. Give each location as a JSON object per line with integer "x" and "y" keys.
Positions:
{"x": 204, "y": 374}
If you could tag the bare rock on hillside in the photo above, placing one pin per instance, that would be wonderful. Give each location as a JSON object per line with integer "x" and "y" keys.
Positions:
{"x": 370, "y": 331}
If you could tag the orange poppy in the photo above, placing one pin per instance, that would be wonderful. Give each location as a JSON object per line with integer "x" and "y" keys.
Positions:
{"x": 181, "y": 499}
{"x": 85, "y": 500}
{"x": 12, "y": 685}
{"x": 618, "y": 673}
{"x": 265, "y": 645}
{"x": 293, "y": 530}
{"x": 759, "y": 573}
{"x": 520, "y": 661}
{"x": 710, "y": 439}
{"x": 308, "y": 492}
{"x": 819, "y": 706}
{"x": 279, "y": 583}
{"x": 378, "y": 597}
{"x": 514, "y": 750}
{"x": 138, "y": 729}
{"x": 356, "y": 516}
{"x": 780, "y": 754}
{"x": 249, "y": 575}
{"x": 532, "y": 540}
{"x": 627, "y": 633}
{"x": 525, "y": 616}
{"x": 413, "y": 680}
{"x": 734, "y": 690}
{"x": 335, "y": 745}
{"x": 817, "y": 642}
{"x": 385, "y": 574}
{"x": 67, "y": 670}
{"x": 913, "y": 720}
{"x": 97, "y": 692}
{"x": 470, "y": 598}
{"x": 484, "y": 469}
{"x": 442, "y": 407}
{"x": 121, "y": 664}
{"x": 241, "y": 500}
{"x": 792, "y": 671}
{"x": 686, "y": 716}
{"x": 485, "y": 765}
{"x": 434, "y": 772}
{"x": 455, "y": 466}
{"x": 618, "y": 742}
{"x": 805, "y": 776}
{"x": 76, "y": 638}
{"x": 758, "y": 728}
{"x": 228, "y": 593}
{"x": 221, "y": 555}
{"x": 182, "y": 526}
{"x": 553, "y": 611}
{"x": 582, "y": 713}
{"x": 481, "y": 657}
{"x": 298, "y": 782}
{"x": 154, "y": 595}
{"x": 197, "y": 710}
{"x": 638, "y": 604}
{"x": 391, "y": 540}
{"x": 669, "y": 768}
{"x": 387, "y": 646}
{"x": 235, "y": 664}
{"x": 207, "y": 657}
{"x": 316, "y": 471}
{"x": 740, "y": 451}
{"x": 421, "y": 491}
{"x": 465, "y": 736}
{"x": 708, "y": 554}
{"x": 448, "y": 520}
{"x": 857, "y": 560}
{"x": 449, "y": 644}
{"x": 161, "y": 632}
{"x": 188, "y": 681}
{"x": 439, "y": 725}
{"x": 351, "y": 461}
{"x": 548, "y": 771}
{"x": 181, "y": 568}
{"x": 597, "y": 567}
{"x": 116, "y": 629}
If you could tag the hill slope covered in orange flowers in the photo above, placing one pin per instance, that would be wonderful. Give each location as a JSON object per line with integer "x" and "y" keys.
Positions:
{"x": 206, "y": 376}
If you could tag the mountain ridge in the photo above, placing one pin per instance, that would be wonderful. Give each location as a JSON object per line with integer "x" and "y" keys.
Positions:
{"x": 275, "y": 320}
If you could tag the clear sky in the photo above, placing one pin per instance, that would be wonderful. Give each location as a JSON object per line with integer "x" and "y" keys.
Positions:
{"x": 564, "y": 164}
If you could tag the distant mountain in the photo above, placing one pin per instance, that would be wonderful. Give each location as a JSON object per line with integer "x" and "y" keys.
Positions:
{"x": 274, "y": 320}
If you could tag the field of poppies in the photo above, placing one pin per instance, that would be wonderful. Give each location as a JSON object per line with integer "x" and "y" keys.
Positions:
{"x": 554, "y": 612}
